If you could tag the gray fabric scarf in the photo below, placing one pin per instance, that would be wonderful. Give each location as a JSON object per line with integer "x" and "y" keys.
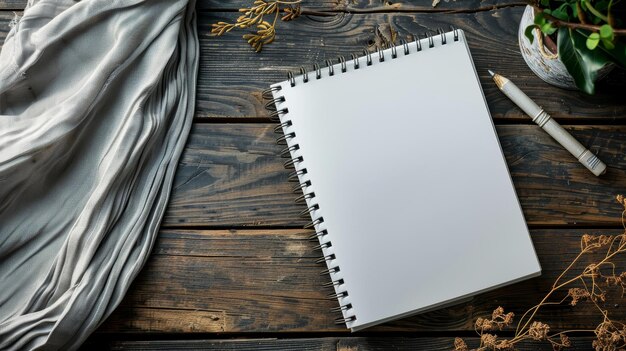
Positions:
{"x": 96, "y": 102}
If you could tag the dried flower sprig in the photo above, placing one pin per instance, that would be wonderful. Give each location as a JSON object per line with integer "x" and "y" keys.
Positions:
{"x": 266, "y": 31}
{"x": 593, "y": 281}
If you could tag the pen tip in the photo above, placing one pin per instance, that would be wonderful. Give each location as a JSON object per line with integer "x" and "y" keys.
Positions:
{"x": 491, "y": 72}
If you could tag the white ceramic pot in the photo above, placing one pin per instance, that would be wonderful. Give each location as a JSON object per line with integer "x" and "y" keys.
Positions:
{"x": 544, "y": 63}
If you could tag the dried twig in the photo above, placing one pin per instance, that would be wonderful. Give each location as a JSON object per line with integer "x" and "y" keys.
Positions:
{"x": 589, "y": 283}
{"x": 266, "y": 31}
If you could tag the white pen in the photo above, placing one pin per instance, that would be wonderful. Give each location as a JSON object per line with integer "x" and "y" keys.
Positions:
{"x": 552, "y": 127}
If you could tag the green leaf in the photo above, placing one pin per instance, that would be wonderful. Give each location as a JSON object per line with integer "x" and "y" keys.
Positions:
{"x": 607, "y": 36}
{"x": 608, "y": 44}
{"x": 548, "y": 29}
{"x": 617, "y": 54}
{"x": 602, "y": 5}
{"x": 561, "y": 12}
{"x": 574, "y": 9}
{"x": 540, "y": 19}
{"x": 593, "y": 40}
{"x": 606, "y": 32}
{"x": 595, "y": 12}
{"x": 529, "y": 32}
{"x": 562, "y": 15}
{"x": 581, "y": 63}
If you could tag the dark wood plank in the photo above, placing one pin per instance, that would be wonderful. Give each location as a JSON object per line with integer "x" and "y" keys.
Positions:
{"x": 315, "y": 344}
{"x": 232, "y": 88}
{"x": 336, "y": 5}
{"x": 5, "y": 19}
{"x": 231, "y": 175}
{"x": 373, "y": 5}
{"x": 12, "y": 4}
{"x": 266, "y": 281}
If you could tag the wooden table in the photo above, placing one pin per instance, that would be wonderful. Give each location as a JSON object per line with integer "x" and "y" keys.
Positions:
{"x": 231, "y": 268}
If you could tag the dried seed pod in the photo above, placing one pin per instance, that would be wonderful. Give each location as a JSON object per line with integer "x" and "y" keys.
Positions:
{"x": 292, "y": 12}
{"x": 266, "y": 31}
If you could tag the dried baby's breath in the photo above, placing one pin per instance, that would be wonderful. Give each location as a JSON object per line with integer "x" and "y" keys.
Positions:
{"x": 591, "y": 242}
{"x": 253, "y": 16}
{"x": 588, "y": 283}
{"x": 460, "y": 345}
{"x": 538, "y": 331}
{"x": 578, "y": 294}
{"x": 610, "y": 335}
{"x": 489, "y": 340}
{"x": 561, "y": 343}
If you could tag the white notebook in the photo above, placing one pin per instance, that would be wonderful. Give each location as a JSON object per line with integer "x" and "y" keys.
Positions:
{"x": 404, "y": 178}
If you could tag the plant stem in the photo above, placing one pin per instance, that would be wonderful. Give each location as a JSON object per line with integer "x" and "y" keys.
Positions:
{"x": 572, "y": 331}
{"x": 590, "y": 27}
{"x": 555, "y": 288}
{"x": 568, "y": 268}
{"x": 276, "y": 17}
{"x": 596, "y": 12}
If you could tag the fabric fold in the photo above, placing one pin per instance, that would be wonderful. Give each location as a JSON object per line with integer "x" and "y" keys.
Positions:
{"x": 96, "y": 102}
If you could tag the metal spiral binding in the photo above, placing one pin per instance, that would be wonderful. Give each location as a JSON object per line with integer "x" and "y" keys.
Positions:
{"x": 333, "y": 283}
{"x": 291, "y": 163}
{"x": 433, "y": 38}
{"x": 318, "y": 71}
{"x": 355, "y": 59}
{"x": 326, "y": 258}
{"x": 307, "y": 212}
{"x": 288, "y": 139}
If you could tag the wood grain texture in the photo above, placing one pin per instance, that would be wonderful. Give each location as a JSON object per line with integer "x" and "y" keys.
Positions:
{"x": 336, "y": 5}
{"x": 266, "y": 281}
{"x": 232, "y": 88}
{"x": 231, "y": 175}
{"x": 12, "y": 4}
{"x": 5, "y": 19}
{"x": 253, "y": 282}
{"x": 374, "y": 5}
{"x": 376, "y": 343}
{"x": 171, "y": 320}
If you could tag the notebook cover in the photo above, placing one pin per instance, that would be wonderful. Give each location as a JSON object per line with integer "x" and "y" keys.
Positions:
{"x": 405, "y": 165}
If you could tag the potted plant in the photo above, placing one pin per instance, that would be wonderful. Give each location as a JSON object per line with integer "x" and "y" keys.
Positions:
{"x": 572, "y": 43}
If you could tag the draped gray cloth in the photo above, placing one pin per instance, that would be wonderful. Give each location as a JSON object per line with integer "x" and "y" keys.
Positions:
{"x": 96, "y": 102}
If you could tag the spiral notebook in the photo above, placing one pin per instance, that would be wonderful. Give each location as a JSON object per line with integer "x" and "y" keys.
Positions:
{"x": 404, "y": 179}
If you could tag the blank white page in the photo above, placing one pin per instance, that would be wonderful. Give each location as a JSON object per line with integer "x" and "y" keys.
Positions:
{"x": 410, "y": 179}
